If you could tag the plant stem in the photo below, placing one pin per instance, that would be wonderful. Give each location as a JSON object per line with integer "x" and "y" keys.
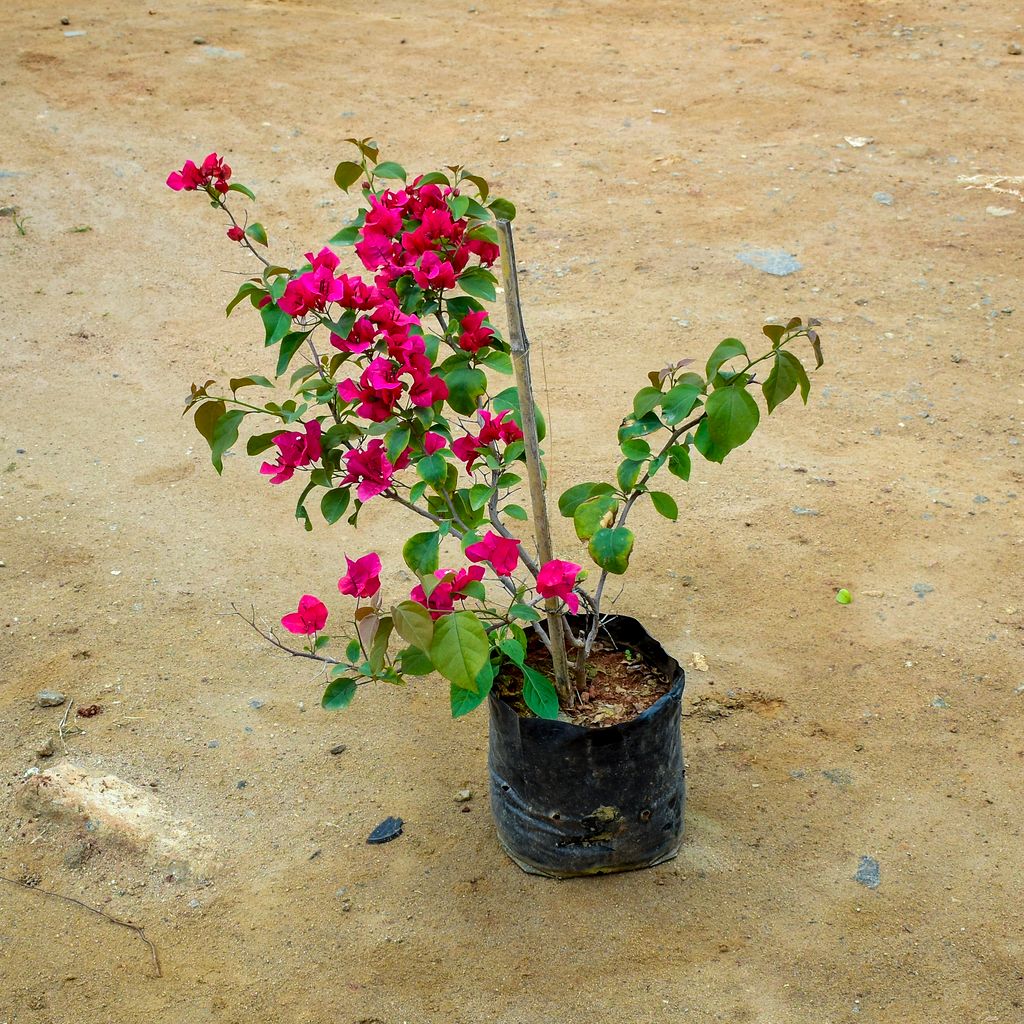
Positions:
{"x": 524, "y": 385}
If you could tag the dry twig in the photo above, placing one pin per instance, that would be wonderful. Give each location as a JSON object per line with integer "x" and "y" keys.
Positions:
{"x": 137, "y": 928}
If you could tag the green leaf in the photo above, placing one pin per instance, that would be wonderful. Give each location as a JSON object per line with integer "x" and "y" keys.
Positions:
{"x": 574, "y": 496}
{"x": 679, "y": 461}
{"x": 665, "y": 505}
{"x": 247, "y": 288}
{"x": 645, "y": 400}
{"x": 636, "y": 449}
{"x": 396, "y": 441}
{"x": 389, "y": 169}
{"x": 346, "y": 236}
{"x": 774, "y": 333}
{"x": 509, "y": 399}
{"x": 420, "y": 552}
{"x": 414, "y": 662}
{"x": 524, "y": 612}
{"x": 334, "y": 503}
{"x": 632, "y": 427}
{"x": 478, "y": 282}
{"x": 782, "y": 380}
{"x": 300, "y": 507}
{"x": 459, "y": 649}
{"x": 801, "y": 374}
{"x": 276, "y": 322}
{"x": 346, "y": 174}
{"x": 704, "y": 443}
{"x": 516, "y": 512}
{"x": 206, "y": 417}
{"x": 678, "y": 403}
{"x": 497, "y": 360}
{"x": 379, "y": 646}
{"x": 513, "y": 650}
{"x": 610, "y": 548}
{"x": 244, "y": 382}
{"x": 257, "y": 232}
{"x": 225, "y": 434}
{"x": 458, "y": 206}
{"x": 235, "y": 187}
{"x": 726, "y": 350}
{"x": 628, "y": 473}
{"x": 290, "y": 344}
{"x": 414, "y": 624}
{"x": 481, "y": 184}
{"x": 259, "y": 443}
{"x": 479, "y": 495}
{"x": 464, "y": 701}
{"x": 502, "y": 209}
{"x": 339, "y": 693}
{"x": 417, "y": 491}
{"x": 588, "y": 516}
{"x": 465, "y": 386}
{"x": 433, "y": 469}
{"x": 433, "y": 178}
{"x": 843, "y": 596}
{"x": 732, "y": 416}
{"x": 353, "y": 652}
{"x": 539, "y": 694}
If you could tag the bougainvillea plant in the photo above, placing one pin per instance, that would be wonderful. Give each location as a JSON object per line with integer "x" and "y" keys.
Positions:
{"x": 399, "y": 391}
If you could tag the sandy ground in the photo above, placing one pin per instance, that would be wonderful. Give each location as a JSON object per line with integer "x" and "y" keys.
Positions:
{"x": 647, "y": 145}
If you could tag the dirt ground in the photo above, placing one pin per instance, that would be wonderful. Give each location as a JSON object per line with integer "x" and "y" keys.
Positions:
{"x": 647, "y": 146}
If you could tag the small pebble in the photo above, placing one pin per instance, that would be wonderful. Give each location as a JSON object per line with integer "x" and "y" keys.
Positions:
{"x": 923, "y": 588}
{"x": 800, "y": 511}
{"x": 256, "y": 703}
{"x": 1014, "y": 50}
{"x": 199, "y": 41}
{"x": 47, "y": 748}
{"x": 65, "y": 21}
{"x": 241, "y": 784}
{"x": 50, "y": 698}
{"x": 939, "y": 702}
{"x": 884, "y": 198}
{"x": 980, "y": 499}
{"x": 388, "y": 829}
{"x": 463, "y": 795}
{"x": 339, "y": 748}
{"x": 213, "y": 744}
{"x": 839, "y": 776}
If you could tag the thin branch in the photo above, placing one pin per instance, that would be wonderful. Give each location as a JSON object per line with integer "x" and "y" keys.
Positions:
{"x": 137, "y": 928}
{"x": 270, "y": 638}
{"x": 64, "y": 722}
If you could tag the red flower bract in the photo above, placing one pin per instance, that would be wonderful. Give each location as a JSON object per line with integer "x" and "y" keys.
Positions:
{"x": 363, "y": 576}
{"x": 295, "y": 450}
{"x": 309, "y": 619}
{"x": 371, "y": 469}
{"x": 557, "y": 579}
{"x": 501, "y": 552}
{"x": 190, "y": 178}
{"x": 443, "y": 597}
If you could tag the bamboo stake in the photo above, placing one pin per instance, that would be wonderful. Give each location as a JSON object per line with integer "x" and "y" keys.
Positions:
{"x": 535, "y": 479}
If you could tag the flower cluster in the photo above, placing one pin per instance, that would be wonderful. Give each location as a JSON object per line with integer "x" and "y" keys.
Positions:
{"x": 213, "y": 171}
{"x": 495, "y": 429}
{"x": 294, "y": 451}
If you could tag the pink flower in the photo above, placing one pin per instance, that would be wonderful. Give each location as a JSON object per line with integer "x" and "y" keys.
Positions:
{"x": 190, "y": 178}
{"x": 474, "y": 335}
{"x": 371, "y": 469}
{"x": 433, "y": 442}
{"x": 363, "y": 576}
{"x": 309, "y": 619}
{"x": 487, "y": 251}
{"x": 378, "y": 390}
{"x": 434, "y": 273}
{"x": 235, "y": 233}
{"x": 295, "y": 450}
{"x": 443, "y": 597}
{"x": 360, "y": 338}
{"x": 557, "y": 579}
{"x": 501, "y": 552}
{"x": 496, "y": 428}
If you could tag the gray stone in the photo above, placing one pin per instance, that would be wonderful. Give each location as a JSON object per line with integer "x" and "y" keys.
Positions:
{"x": 339, "y": 748}
{"x": 777, "y": 262}
{"x": 869, "y": 873}
{"x": 923, "y": 588}
{"x": 463, "y": 795}
{"x": 1014, "y": 49}
{"x": 884, "y": 198}
{"x": 980, "y": 499}
{"x": 839, "y": 776}
{"x": 256, "y": 703}
{"x": 50, "y": 698}
{"x": 47, "y": 748}
{"x": 939, "y": 702}
{"x": 799, "y": 510}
